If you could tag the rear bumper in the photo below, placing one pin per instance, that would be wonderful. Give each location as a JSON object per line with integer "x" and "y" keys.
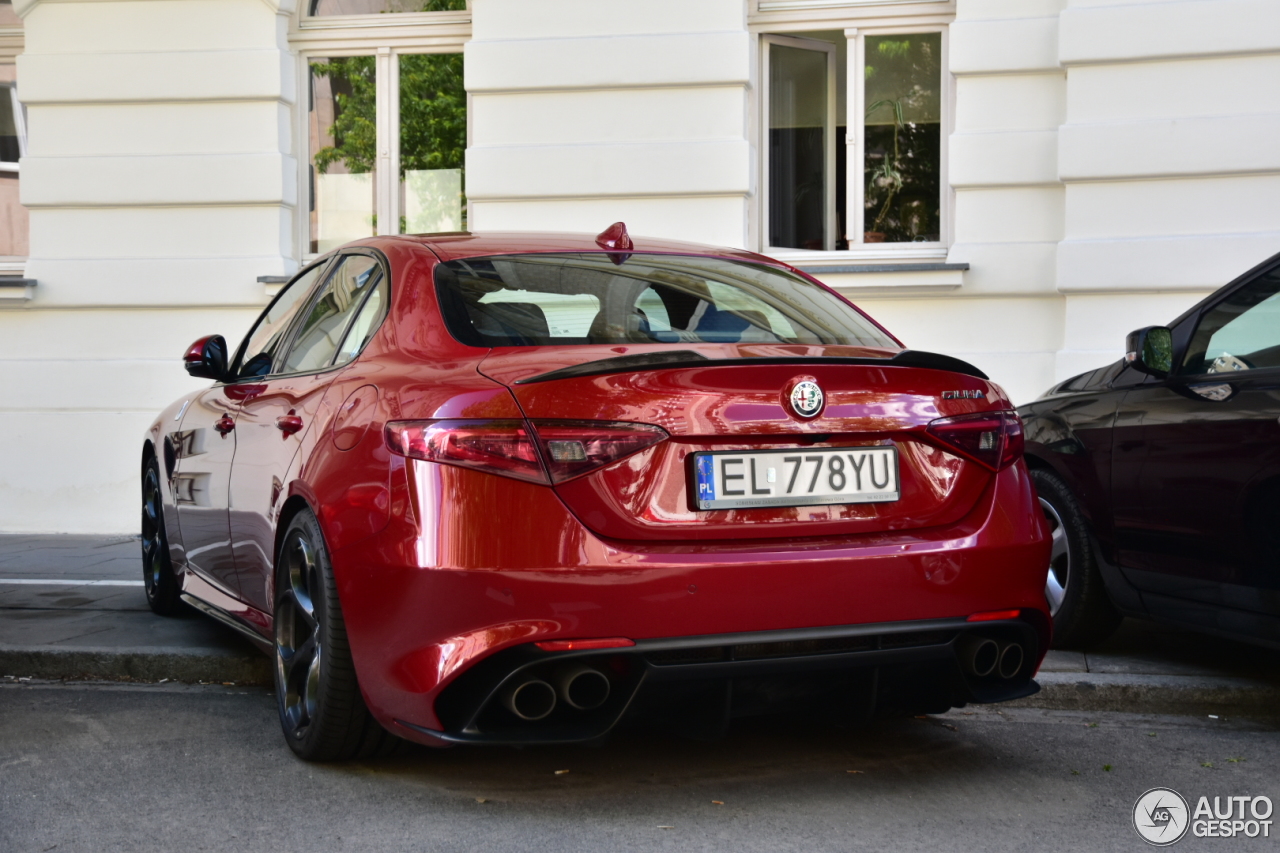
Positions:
{"x": 853, "y": 671}
{"x": 442, "y": 594}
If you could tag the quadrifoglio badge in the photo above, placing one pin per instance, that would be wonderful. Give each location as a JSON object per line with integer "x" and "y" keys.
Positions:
{"x": 1162, "y": 817}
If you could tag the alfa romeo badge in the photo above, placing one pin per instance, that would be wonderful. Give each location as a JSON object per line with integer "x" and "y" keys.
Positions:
{"x": 806, "y": 398}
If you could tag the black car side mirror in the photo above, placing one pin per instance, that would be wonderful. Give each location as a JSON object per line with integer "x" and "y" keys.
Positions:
{"x": 1150, "y": 351}
{"x": 207, "y": 358}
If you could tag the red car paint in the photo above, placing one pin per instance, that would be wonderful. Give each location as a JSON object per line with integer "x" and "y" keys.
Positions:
{"x": 440, "y": 567}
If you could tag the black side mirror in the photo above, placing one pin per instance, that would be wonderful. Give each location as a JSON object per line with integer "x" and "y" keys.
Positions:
{"x": 207, "y": 358}
{"x": 1150, "y": 351}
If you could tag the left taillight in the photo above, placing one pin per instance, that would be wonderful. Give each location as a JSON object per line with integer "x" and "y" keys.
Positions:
{"x": 993, "y": 439}
{"x": 504, "y": 447}
{"x": 543, "y": 451}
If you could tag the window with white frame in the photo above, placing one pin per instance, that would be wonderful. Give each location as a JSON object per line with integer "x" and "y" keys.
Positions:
{"x": 385, "y": 120}
{"x": 853, "y": 126}
{"x": 13, "y": 145}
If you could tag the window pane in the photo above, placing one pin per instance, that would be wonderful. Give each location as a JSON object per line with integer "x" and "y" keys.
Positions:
{"x": 797, "y": 147}
{"x": 267, "y": 335}
{"x": 375, "y": 308}
{"x": 433, "y": 142}
{"x": 903, "y": 138}
{"x": 326, "y": 323}
{"x": 570, "y": 299}
{"x": 321, "y": 8}
{"x": 343, "y": 150}
{"x": 1241, "y": 333}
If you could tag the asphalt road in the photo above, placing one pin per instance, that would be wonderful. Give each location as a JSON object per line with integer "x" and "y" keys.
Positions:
{"x": 176, "y": 767}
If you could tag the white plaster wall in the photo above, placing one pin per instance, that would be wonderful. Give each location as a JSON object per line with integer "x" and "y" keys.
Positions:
{"x": 1169, "y": 159}
{"x": 1116, "y": 158}
{"x": 585, "y": 112}
{"x": 161, "y": 183}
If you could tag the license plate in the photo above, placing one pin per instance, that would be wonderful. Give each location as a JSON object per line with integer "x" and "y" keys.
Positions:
{"x": 835, "y": 475}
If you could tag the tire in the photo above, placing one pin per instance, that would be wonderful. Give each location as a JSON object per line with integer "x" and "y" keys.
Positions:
{"x": 1083, "y": 614}
{"x": 158, "y": 578}
{"x": 322, "y": 713}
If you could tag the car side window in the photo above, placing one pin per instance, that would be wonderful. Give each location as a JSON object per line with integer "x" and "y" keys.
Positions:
{"x": 263, "y": 342}
{"x": 1240, "y": 333}
{"x": 366, "y": 323}
{"x": 331, "y": 312}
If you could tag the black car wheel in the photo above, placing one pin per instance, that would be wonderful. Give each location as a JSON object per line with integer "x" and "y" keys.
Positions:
{"x": 322, "y": 712}
{"x": 158, "y": 579}
{"x": 1082, "y": 613}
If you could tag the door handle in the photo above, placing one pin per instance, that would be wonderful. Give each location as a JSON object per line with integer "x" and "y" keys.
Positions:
{"x": 224, "y": 425}
{"x": 289, "y": 424}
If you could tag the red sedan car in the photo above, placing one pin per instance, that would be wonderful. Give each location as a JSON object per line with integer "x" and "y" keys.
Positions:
{"x": 517, "y": 488}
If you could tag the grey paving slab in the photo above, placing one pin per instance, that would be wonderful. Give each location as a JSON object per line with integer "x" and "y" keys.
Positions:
{"x": 1057, "y": 660}
{"x": 1147, "y": 648}
{"x": 80, "y": 596}
{"x": 65, "y": 555}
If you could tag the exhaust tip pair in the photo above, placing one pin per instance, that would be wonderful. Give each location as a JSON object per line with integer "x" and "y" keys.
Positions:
{"x": 983, "y": 657}
{"x": 583, "y": 688}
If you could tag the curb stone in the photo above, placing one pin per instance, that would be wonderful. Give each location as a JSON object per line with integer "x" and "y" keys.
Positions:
{"x": 1153, "y": 694}
{"x": 139, "y": 663}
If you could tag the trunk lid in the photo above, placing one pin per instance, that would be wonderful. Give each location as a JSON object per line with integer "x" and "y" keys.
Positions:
{"x": 731, "y": 397}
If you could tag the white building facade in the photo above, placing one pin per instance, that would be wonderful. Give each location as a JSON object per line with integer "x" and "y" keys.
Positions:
{"x": 1015, "y": 182}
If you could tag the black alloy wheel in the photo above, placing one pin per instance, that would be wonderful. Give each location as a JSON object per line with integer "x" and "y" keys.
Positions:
{"x": 322, "y": 712}
{"x": 158, "y": 578}
{"x": 1083, "y": 614}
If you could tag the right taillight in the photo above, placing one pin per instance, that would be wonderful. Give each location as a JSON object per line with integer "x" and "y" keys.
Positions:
{"x": 497, "y": 446}
{"x": 543, "y": 452}
{"x": 993, "y": 439}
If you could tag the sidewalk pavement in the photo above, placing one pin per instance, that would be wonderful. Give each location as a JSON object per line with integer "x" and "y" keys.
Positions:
{"x": 73, "y": 607}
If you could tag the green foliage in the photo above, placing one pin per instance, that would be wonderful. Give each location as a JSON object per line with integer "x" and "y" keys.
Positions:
{"x": 433, "y": 110}
{"x": 352, "y": 81}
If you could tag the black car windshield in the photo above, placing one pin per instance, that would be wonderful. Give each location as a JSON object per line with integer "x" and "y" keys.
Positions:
{"x": 586, "y": 298}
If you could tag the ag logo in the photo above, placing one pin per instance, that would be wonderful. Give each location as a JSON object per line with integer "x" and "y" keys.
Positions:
{"x": 806, "y": 398}
{"x": 1160, "y": 816}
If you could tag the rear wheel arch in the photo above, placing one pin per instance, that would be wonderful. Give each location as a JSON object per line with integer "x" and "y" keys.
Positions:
{"x": 294, "y": 505}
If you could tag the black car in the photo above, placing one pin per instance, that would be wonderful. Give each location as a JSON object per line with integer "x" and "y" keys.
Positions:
{"x": 1160, "y": 474}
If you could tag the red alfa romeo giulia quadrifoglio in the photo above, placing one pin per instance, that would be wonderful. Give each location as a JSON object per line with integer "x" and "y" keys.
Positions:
{"x": 518, "y": 488}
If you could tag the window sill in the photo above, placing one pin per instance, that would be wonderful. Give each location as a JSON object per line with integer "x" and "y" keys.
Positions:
{"x": 899, "y": 252}
{"x": 273, "y": 284}
{"x": 889, "y": 279}
{"x": 16, "y": 291}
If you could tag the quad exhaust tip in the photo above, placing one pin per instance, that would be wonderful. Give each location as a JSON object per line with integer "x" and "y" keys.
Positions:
{"x": 979, "y": 656}
{"x": 1011, "y": 657}
{"x": 983, "y": 657}
{"x": 530, "y": 700}
{"x": 583, "y": 687}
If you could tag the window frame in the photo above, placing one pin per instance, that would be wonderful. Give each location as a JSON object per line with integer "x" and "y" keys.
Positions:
{"x": 857, "y": 22}
{"x": 324, "y": 266}
{"x": 291, "y": 337}
{"x": 385, "y": 38}
{"x": 1181, "y": 373}
{"x": 831, "y": 155}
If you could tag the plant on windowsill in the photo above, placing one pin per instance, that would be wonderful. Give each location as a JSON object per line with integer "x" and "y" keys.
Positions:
{"x": 886, "y": 175}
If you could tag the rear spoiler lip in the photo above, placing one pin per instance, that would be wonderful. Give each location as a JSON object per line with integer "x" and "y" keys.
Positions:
{"x": 689, "y": 358}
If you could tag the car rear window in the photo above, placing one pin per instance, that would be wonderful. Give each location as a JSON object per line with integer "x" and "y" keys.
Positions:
{"x": 531, "y": 300}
